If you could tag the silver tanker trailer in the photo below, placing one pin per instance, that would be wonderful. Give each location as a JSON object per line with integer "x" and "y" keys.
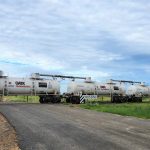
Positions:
{"x": 48, "y": 90}
{"x": 138, "y": 90}
{"x": 89, "y": 87}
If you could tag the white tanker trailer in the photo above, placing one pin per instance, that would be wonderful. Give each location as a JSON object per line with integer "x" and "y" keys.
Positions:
{"x": 88, "y": 87}
{"x": 139, "y": 90}
{"x": 48, "y": 90}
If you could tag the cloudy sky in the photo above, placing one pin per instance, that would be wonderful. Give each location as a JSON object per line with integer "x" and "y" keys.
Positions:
{"x": 99, "y": 38}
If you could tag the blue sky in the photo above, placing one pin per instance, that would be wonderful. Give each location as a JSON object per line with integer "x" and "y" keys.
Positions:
{"x": 102, "y": 39}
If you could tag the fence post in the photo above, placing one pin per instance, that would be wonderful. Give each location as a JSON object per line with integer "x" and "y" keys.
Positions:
{"x": 27, "y": 99}
{"x": 1, "y": 98}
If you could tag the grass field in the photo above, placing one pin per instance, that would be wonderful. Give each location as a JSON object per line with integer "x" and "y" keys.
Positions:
{"x": 31, "y": 99}
{"x": 141, "y": 110}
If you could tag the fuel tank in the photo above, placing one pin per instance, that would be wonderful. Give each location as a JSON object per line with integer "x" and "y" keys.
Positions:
{"x": 28, "y": 86}
{"x": 94, "y": 88}
{"x": 139, "y": 90}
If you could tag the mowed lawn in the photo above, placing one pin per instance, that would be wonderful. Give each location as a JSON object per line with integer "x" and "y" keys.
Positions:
{"x": 141, "y": 110}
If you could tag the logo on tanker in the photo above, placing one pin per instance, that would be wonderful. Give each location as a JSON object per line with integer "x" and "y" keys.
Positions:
{"x": 19, "y": 83}
{"x": 103, "y": 88}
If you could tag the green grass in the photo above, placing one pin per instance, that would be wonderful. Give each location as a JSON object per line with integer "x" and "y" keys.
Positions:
{"x": 31, "y": 99}
{"x": 141, "y": 110}
{"x": 103, "y": 99}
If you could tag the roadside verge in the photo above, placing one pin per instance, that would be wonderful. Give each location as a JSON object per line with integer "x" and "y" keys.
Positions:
{"x": 8, "y": 139}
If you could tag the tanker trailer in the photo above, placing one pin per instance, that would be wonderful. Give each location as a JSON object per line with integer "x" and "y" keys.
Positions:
{"x": 109, "y": 88}
{"x": 75, "y": 89}
{"x": 88, "y": 87}
{"x": 48, "y": 90}
{"x": 137, "y": 92}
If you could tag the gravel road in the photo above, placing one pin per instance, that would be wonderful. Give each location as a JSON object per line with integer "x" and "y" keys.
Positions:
{"x": 60, "y": 127}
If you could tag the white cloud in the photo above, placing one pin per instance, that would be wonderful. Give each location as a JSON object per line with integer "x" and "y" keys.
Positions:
{"x": 84, "y": 71}
{"x": 30, "y": 58}
{"x": 124, "y": 21}
{"x": 66, "y": 35}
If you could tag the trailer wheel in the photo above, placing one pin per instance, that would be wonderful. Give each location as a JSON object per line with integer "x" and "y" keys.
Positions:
{"x": 41, "y": 100}
{"x": 129, "y": 99}
{"x": 115, "y": 99}
{"x": 58, "y": 100}
{"x": 75, "y": 100}
{"x": 123, "y": 99}
{"x": 139, "y": 99}
{"x": 68, "y": 100}
{"x": 55, "y": 99}
{"x": 72, "y": 100}
{"x": 44, "y": 99}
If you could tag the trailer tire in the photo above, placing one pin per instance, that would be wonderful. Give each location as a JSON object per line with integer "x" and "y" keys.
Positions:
{"x": 41, "y": 100}
{"x": 68, "y": 100}
{"x": 139, "y": 99}
{"x": 75, "y": 100}
{"x": 123, "y": 99}
{"x": 115, "y": 99}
